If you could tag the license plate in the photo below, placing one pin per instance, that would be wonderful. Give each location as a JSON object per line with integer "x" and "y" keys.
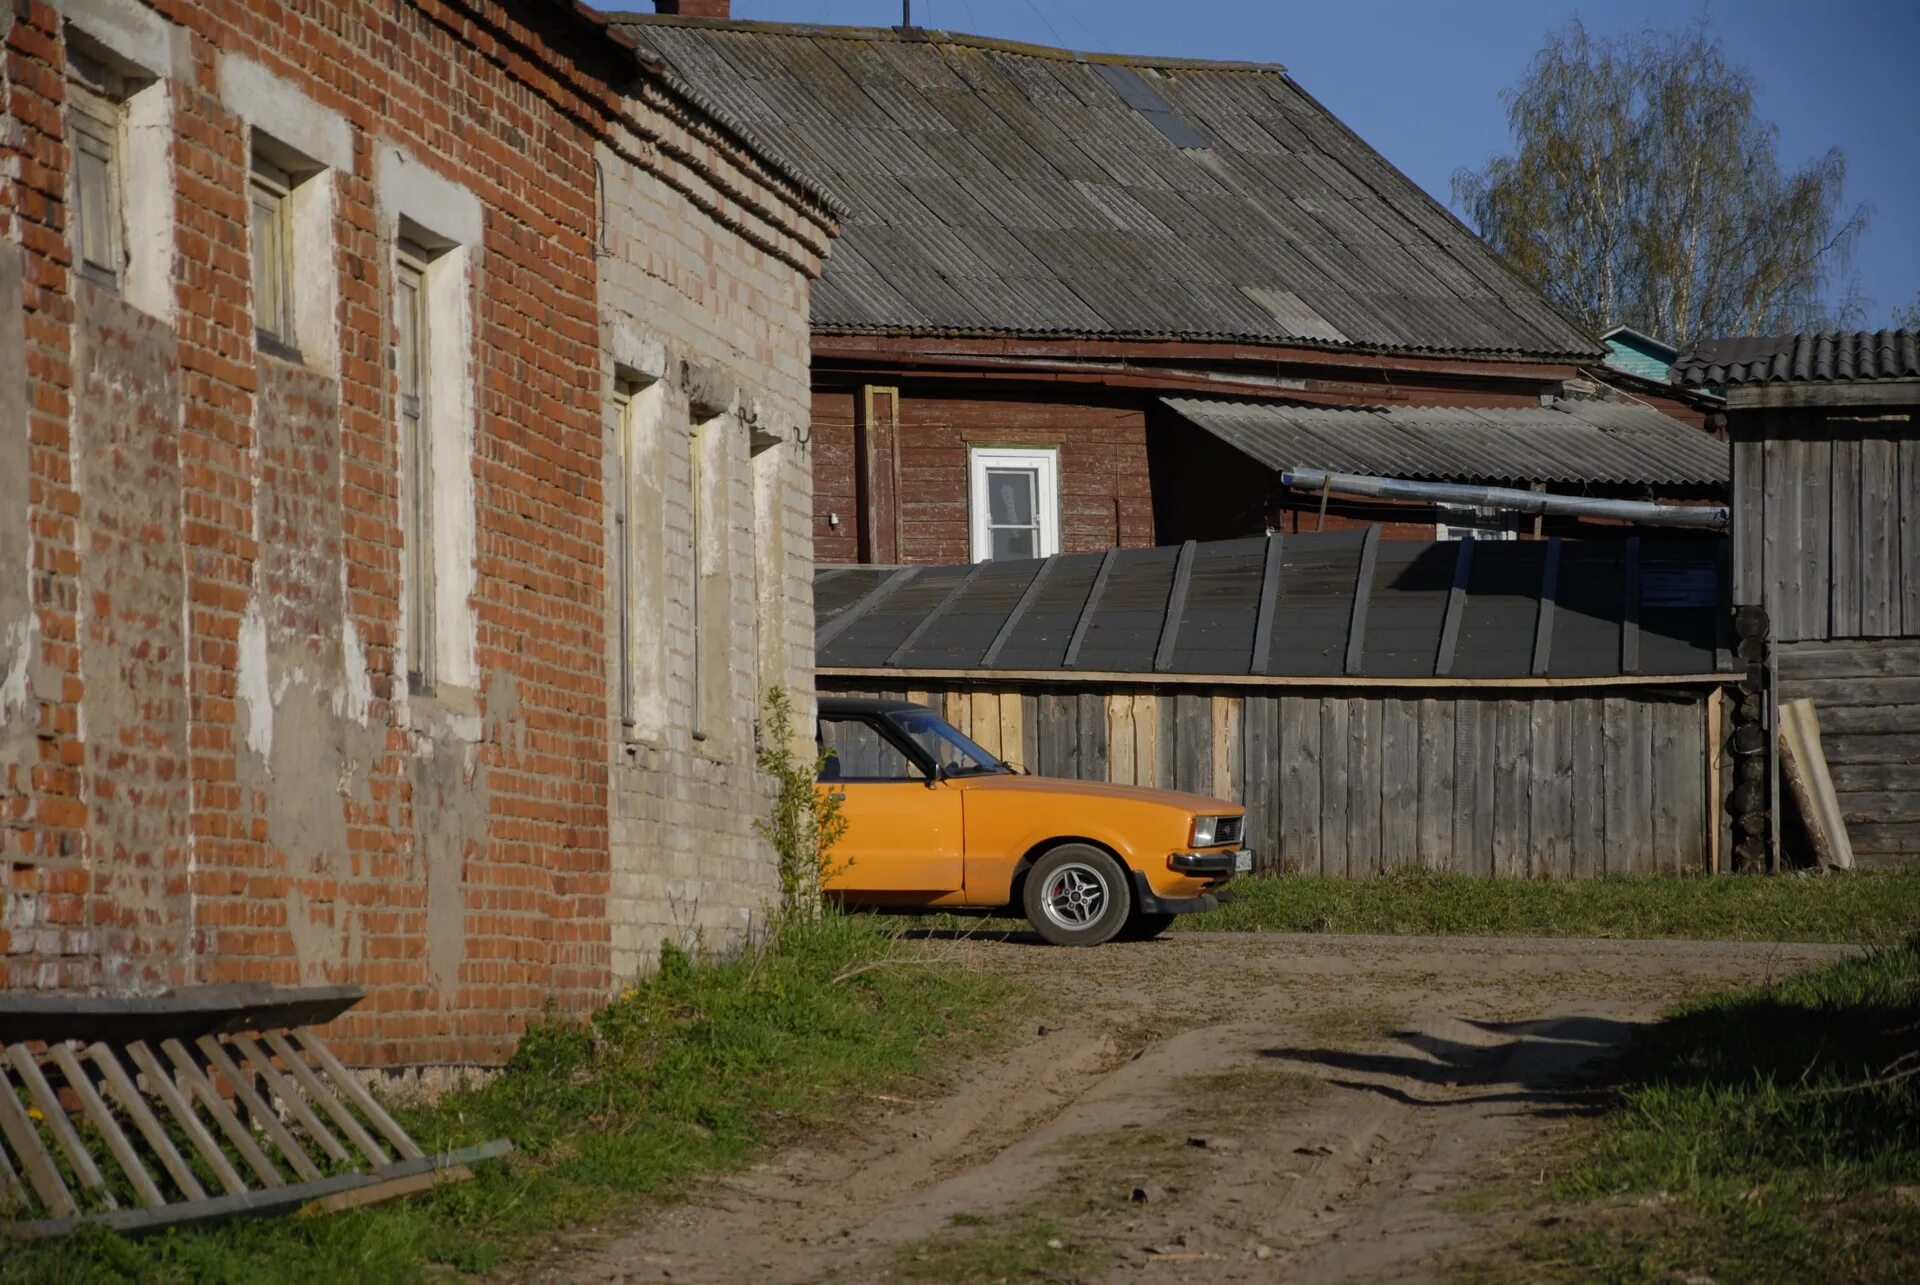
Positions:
{"x": 1243, "y": 861}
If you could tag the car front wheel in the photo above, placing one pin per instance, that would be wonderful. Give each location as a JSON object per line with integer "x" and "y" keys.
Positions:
{"x": 1076, "y": 895}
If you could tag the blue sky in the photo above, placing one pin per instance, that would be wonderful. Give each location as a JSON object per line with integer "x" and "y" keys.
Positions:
{"x": 1420, "y": 79}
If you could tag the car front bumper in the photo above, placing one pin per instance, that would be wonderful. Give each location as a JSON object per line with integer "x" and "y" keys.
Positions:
{"x": 1149, "y": 902}
{"x": 1212, "y": 865}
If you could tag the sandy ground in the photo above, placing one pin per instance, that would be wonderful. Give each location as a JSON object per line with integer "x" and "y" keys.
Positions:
{"x": 1291, "y": 1108}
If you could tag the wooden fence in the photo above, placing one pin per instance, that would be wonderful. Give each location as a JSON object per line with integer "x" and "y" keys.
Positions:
{"x": 1522, "y": 780}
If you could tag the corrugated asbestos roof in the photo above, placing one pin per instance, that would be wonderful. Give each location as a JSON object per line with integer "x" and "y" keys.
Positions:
{"x": 1332, "y": 605}
{"x": 1569, "y": 441}
{"x": 1827, "y": 356}
{"x": 1005, "y": 189}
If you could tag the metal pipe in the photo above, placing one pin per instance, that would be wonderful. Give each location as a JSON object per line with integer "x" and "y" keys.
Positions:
{"x": 1711, "y": 516}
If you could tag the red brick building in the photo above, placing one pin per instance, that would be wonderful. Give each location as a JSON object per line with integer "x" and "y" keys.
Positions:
{"x": 1044, "y": 247}
{"x": 314, "y": 409}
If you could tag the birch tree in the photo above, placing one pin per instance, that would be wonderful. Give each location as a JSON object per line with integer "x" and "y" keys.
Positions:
{"x": 1643, "y": 191}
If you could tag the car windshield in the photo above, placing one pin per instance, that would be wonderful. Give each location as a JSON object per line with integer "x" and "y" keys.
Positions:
{"x": 954, "y": 753}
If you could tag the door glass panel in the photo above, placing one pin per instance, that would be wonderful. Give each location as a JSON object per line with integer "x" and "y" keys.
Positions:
{"x": 1010, "y": 497}
{"x": 861, "y": 753}
{"x": 1009, "y": 542}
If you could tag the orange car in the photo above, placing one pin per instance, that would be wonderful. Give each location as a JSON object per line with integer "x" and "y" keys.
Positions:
{"x": 934, "y": 822}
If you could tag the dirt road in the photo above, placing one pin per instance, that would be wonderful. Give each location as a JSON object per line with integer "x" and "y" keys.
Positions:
{"x": 1204, "y": 1108}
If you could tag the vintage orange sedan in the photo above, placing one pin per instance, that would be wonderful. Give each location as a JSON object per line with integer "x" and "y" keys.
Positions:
{"x": 935, "y": 822}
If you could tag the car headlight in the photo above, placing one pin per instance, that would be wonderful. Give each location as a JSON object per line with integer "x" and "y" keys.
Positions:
{"x": 1211, "y": 831}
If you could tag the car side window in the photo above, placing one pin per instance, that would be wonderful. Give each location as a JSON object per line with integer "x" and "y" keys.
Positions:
{"x": 861, "y": 753}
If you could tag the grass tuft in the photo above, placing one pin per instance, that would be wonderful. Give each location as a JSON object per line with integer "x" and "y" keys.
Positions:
{"x": 1763, "y": 1135}
{"x": 685, "y": 1074}
{"x": 1869, "y": 907}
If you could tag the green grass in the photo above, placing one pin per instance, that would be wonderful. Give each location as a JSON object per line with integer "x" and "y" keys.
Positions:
{"x": 1869, "y": 907}
{"x": 686, "y": 1074}
{"x": 1764, "y": 1135}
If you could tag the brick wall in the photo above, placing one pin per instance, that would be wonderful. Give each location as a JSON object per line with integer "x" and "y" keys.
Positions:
{"x": 211, "y": 764}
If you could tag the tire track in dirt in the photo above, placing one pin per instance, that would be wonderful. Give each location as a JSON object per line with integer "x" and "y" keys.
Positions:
{"x": 1348, "y": 1091}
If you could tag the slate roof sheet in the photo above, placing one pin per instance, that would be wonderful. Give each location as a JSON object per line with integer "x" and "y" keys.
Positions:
{"x": 1569, "y": 441}
{"x": 1026, "y": 616}
{"x": 995, "y": 188}
{"x": 1825, "y": 356}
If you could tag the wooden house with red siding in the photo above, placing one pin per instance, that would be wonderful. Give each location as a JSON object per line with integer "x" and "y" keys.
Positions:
{"x": 1085, "y": 300}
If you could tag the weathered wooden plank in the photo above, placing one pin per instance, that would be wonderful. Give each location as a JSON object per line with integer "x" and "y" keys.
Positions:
{"x": 18, "y": 1129}
{"x": 1146, "y": 738}
{"x": 1909, "y": 521}
{"x": 79, "y": 1160}
{"x": 1640, "y": 750}
{"x": 1778, "y": 589}
{"x": 1013, "y": 727}
{"x": 1900, "y": 778}
{"x": 1473, "y": 775}
{"x": 1120, "y": 755}
{"x": 1749, "y": 516}
{"x": 1456, "y": 606}
{"x": 1543, "y": 616}
{"x": 1688, "y": 780}
{"x": 1090, "y": 726}
{"x": 1836, "y": 693}
{"x": 1362, "y": 595}
{"x": 1192, "y": 753}
{"x": 1434, "y": 848}
{"x": 1816, "y": 532}
{"x": 1667, "y": 779}
{"x": 1364, "y": 796}
{"x": 1262, "y": 650}
{"x": 1857, "y": 749}
{"x": 135, "y": 1108}
{"x": 335, "y": 1109}
{"x": 101, "y": 1117}
{"x": 1881, "y": 591}
{"x": 984, "y": 718}
{"x": 1587, "y": 789}
{"x": 349, "y": 1086}
{"x": 1227, "y": 782}
{"x": 1550, "y": 805}
{"x": 1054, "y": 714}
{"x": 283, "y": 1091}
{"x": 1618, "y": 786}
{"x": 1258, "y": 716}
{"x": 1880, "y": 807}
{"x": 194, "y": 1086}
{"x": 1334, "y": 794}
{"x": 1400, "y": 767}
{"x": 957, "y": 709}
{"x": 1513, "y": 780}
{"x": 264, "y": 1117}
{"x": 1874, "y": 839}
{"x": 1176, "y": 607}
{"x": 1844, "y": 502}
{"x": 1301, "y": 805}
{"x": 1850, "y": 658}
{"x": 1867, "y": 720}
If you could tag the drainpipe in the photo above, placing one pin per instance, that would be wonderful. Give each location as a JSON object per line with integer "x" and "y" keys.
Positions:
{"x": 1710, "y": 516}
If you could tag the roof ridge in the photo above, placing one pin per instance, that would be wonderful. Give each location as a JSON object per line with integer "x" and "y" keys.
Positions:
{"x": 936, "y": 35}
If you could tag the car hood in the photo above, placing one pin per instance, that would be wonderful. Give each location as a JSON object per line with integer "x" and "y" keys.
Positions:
{"x": 1186, "y": 802}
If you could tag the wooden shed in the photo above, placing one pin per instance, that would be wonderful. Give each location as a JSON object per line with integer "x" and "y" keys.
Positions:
{"x": 1826, "y": 539}
{"x": 1540, "y": 708}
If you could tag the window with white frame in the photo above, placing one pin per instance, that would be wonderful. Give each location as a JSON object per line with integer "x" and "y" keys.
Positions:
{"x": 1014, "y": 502}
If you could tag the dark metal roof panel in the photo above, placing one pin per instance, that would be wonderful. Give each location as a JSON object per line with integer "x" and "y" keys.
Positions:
{"x": 1178, "y": 194}
{"x": 1312, "y": 610}
{"x": 1828, "y": 356}
{"x": 1568, "y": 441}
